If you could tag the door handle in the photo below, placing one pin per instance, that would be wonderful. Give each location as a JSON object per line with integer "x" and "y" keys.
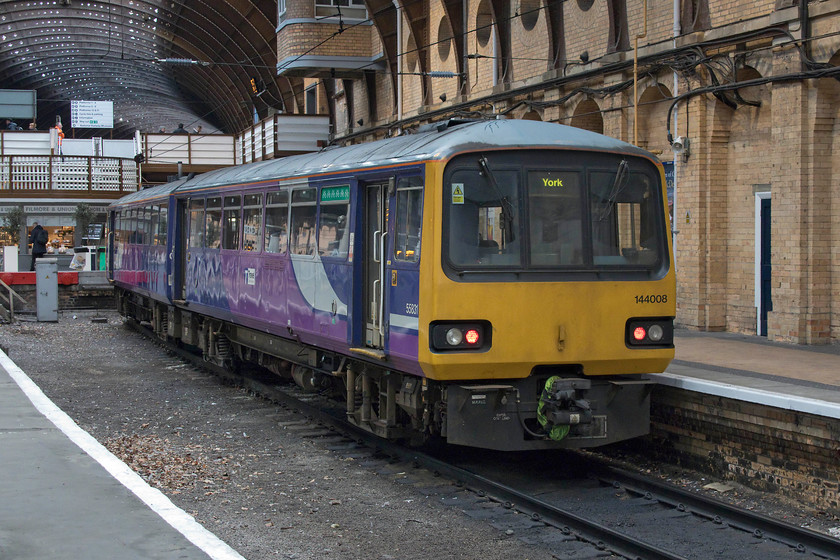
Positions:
{"x": 377, "y": 240}
{"x": 381, "y": 283}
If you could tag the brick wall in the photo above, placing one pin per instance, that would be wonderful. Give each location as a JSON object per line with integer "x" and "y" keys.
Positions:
{"x": 769, "y": 449}
{"x": 70, "y": 297}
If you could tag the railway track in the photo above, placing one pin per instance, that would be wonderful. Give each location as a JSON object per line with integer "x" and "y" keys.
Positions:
{"x": 575, "y": 505}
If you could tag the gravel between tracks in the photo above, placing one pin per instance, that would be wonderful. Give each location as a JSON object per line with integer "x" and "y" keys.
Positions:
{"x": 242, "y": 466}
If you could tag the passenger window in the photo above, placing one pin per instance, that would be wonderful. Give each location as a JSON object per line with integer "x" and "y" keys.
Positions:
{"x": 333, "y": 236}
{"x": 231, "y": 222}
{"x": 276, "y": 220}
{"x": 213, "y": 218}
{"x": 409, "y": 216}
{"x": 160, "y": 235}
{"x": 302, "y": 240}
{"x": 153, "y": 225}
{"x": 252, "y": 223}
{"x": 196, "y": 240}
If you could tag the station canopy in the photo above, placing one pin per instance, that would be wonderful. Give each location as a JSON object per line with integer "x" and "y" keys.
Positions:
{"x": 161, "y": 62}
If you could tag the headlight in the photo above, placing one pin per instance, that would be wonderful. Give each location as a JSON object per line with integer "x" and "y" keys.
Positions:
{"x": 448, "y": 336}
{"x": 454, "y": 336}
{"x": 655, "y": 333}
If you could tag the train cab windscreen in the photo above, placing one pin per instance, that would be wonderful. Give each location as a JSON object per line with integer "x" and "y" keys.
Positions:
{"x": 547, "y": 211}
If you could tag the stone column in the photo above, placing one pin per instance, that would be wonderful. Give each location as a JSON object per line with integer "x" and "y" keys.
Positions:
{"x": 800, "y": 206}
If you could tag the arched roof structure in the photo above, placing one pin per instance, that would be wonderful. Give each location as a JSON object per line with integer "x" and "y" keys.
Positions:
{"x": 162, "y": 62}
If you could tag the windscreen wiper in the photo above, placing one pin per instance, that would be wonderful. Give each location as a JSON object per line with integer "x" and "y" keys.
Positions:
{"x": 618, "y": 185}
{"x": 507, "y": 207}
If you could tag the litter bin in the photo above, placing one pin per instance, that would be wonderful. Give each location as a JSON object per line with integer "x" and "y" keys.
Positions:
{"x": 82, "y": 258}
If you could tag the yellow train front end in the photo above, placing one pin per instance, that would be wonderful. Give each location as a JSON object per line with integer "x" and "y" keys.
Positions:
{"x": 550, "y": 292}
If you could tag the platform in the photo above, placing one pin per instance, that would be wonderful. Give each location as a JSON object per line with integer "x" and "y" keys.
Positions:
{"x": 753, "y": 369}
{"x": 65, "y": 496}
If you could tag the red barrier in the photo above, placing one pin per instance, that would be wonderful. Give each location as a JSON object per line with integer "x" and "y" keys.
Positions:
{"x": 28, "y": 278}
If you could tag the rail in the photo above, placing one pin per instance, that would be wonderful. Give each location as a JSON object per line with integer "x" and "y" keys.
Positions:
{"x": 21, "y": 175}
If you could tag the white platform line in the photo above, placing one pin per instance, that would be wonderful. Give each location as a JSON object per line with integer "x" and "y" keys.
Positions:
{"x": 184, "y": 523}
{"x": 748, "y": 394}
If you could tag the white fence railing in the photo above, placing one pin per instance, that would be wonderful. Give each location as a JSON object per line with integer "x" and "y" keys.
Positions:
{"x": 67, "y": 173}
{"x": 30, "y": 160}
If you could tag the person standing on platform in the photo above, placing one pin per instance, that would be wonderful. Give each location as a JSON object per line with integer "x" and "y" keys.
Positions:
{"x": 180, "y": 129}
{"x": 60, "y": 136}
{"x": 38, "y": 238}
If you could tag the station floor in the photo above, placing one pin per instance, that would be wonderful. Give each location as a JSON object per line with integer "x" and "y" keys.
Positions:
{"x": 64, "y": 496}
{"x": 753, "y": 369}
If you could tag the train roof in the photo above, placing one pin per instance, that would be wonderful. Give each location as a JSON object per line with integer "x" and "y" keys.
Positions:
{"x": 432, "y": 142}
{"x": 152, "y": 193}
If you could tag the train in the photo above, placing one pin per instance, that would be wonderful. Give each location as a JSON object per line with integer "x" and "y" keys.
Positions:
{"x": 501, "y": 284}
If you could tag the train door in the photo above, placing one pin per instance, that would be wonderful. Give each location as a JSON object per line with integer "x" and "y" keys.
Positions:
{"x": 111, "y": 243}
{"x": 375, "y": 247}
{"x": 179, "y": 285}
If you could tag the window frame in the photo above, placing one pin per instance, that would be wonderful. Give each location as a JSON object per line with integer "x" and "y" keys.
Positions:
{"x": 312, "y": 241}
{"x": 645, "y": 193}
{"x": 419, "y": 187}
{"x": 194, "y": 228}
{"x": 343, "y": 201}
{"x": 258, "y": 205}
{"x": 284, "y": 196}
{"x": 231, "y": 208}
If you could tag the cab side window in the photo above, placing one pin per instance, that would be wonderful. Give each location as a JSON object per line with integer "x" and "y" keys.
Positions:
{"x": 409, "y": 219}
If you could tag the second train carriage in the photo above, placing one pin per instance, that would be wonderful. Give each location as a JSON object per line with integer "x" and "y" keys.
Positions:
{"x": 500, "y": 284}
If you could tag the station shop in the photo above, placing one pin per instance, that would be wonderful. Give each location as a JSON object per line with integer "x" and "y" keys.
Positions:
{"x": 59, "y": 220}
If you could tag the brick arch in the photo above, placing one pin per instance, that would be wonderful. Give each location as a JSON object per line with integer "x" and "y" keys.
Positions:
{"x": 588, "y": 116}
{"x": 653, "y": 117}
{"x": 532, "y": 115}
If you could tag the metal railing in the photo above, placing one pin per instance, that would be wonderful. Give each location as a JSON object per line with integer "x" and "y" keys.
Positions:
{"x": 76, "y": 174}
{"x": 9, "y": 301}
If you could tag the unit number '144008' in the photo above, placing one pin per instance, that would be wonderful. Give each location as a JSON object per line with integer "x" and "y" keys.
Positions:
{"x": 652, "y": 299}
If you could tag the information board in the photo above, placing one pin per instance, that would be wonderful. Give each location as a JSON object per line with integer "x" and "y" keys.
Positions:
{"x": 94, "y": 231}
{"x": 92, "y": 114}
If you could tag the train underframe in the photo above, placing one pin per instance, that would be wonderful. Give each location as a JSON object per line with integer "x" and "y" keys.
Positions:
{"x": 503, "y": 414}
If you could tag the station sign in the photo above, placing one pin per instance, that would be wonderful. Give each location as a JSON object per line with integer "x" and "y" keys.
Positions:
{"x": 92, "y": 114}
